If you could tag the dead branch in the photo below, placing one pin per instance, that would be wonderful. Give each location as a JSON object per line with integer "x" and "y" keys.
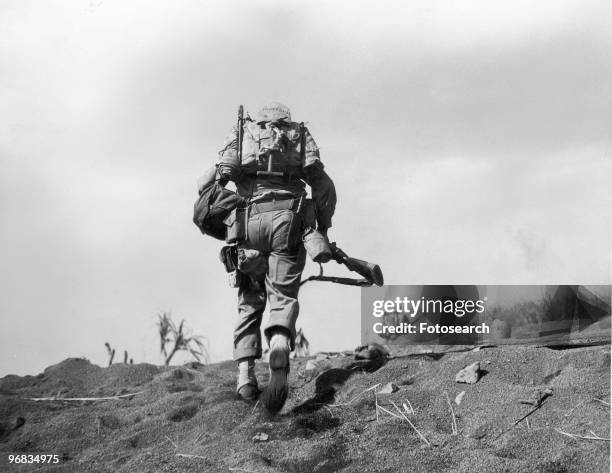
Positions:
{"x": 582, "y": 403}
{"x": 340, "y": 404}
{"x": 83, "y": 399}
{"x": 189, "y": 455}
{"x": 411, "y": 424}
{"x": 390, "y": 413}
{"x": 585, "y": 437}
{"x": 528, "y": 414}
{"x": 454, "y": 423}
{"x": 173, "y": 444}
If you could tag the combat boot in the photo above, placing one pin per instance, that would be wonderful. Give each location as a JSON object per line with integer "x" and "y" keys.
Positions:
{"x": 247, "y": 381}
{"x": 275, "y": 394}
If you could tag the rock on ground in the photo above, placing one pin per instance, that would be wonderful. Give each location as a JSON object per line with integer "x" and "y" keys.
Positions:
{"x": 470, "y": 374}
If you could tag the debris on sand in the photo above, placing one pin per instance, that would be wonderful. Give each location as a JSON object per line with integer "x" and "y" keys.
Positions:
{"x": 373, "y": 351}
{"x": 536, "y": 402}
{"x": 311, "y": 365}
{"x": 370, "y": 357}
{"x": 470, "y": 374}
{"x": 388, "y": 388}
{"x": 593, "y": 436}
{"x": 537, "y": 397}
{"x": 406, "y": 380}
{"x": 260, "y": 437}
{"x": 128, "y": 396}
{"x": 459, "y": 397}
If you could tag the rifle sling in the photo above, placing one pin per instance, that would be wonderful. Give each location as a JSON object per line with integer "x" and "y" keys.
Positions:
{"x": 338, "y": 280}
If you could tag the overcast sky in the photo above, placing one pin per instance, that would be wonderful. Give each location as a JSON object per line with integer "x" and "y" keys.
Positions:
{"x": 470, "y": 142}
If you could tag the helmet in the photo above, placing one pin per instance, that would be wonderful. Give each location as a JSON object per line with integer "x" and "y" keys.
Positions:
{"x": 274, "y": 112}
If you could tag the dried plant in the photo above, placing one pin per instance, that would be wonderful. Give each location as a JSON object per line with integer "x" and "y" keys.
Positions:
{"x": 125, "y": 358}
{"x": 111, "y": 353}
{"x": 302, "y": 346}
{"x": 173, "y": 339}
{"x": 452, "y": 411}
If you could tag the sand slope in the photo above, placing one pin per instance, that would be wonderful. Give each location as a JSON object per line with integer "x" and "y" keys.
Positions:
{"x": 193, "y": 410}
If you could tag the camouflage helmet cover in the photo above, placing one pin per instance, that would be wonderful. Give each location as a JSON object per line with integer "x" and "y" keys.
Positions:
{"x": 274, "y": 112}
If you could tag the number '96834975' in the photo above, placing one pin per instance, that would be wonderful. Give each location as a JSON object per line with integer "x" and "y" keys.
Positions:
{"x": 29, "y": 458}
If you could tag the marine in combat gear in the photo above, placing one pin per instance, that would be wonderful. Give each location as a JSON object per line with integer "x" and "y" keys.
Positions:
{"x": 271, "y": 160}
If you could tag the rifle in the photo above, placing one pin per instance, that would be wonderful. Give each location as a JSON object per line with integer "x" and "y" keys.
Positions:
{"x": 240, "y": 132}
{"x": 372, "y": 274}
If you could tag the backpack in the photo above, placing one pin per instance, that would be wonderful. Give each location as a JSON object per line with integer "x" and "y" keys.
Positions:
{"x": 272, "y": 148}
{"x": 213, "y": 206}
{"x": 268, "y": 146}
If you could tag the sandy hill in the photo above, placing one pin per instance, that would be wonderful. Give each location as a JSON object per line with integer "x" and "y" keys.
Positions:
{"x": 188, "y": 419}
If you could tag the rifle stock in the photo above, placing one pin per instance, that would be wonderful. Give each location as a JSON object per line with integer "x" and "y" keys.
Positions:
{"x": 370, "y": 271}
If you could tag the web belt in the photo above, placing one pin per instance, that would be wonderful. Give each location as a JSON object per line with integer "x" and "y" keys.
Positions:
{"x": 286, "y": 204}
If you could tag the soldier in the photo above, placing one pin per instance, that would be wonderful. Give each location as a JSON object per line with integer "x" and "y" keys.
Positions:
{"x": 271, "y": 159}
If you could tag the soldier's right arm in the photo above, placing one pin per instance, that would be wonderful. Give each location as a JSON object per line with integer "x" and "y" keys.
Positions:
{"x": 324, "y": 197}
{"x": 323, "y": 189}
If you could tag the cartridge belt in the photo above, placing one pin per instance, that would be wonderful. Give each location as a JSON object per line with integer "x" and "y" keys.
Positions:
{"x": 285, "y": 204}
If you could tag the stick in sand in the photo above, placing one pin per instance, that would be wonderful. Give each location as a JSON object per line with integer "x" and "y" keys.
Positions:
{"x": 376, "y": 402}
{"x": 173, "y": 444}
{"x": 363, "y": 392}
{"x": 602, "y": 401}
{"x": 535, "y": 408}
{"x": 576, "y": 436}
{"x": 340, "y": 404}
{"x": 582, "y": 403}
{"x": 189, "y": 455}
{"x": 411, "y": 424}
{"x": 528, "y": 414}
{"x": 390, "y": 413}
{"x": 454, "y": 423}
{"x": 108, "y": 398}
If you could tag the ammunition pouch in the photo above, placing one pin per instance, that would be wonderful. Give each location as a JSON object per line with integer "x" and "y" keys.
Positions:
{"x": 229, "y": 258}
{"x": 236, "y": 223}
{"x": 252, "y": 263}
{"x": 240, "y": 262}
